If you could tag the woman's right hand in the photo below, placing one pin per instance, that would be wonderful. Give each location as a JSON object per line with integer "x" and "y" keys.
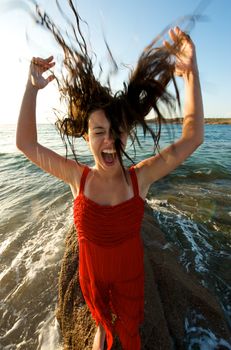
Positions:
{"x": 37, "y": 67}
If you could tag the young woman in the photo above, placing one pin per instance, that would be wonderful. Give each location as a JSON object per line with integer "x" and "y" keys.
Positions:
{"x": 108, "y": 197}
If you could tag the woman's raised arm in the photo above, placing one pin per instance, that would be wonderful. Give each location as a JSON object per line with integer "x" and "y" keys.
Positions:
{"x": 26, "y": 135}
{"x": 154, "y": 168}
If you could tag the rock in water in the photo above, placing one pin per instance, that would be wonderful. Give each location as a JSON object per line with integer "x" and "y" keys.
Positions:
{"x": 173, "y": 298}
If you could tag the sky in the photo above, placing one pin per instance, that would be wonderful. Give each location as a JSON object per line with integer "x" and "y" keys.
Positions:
{"x": 128, "y": 27}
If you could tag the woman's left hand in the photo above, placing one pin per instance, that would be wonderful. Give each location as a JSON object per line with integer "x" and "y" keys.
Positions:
{"x": 184, "y": 51}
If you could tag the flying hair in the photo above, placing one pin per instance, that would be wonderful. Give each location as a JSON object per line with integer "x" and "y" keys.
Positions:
{"x": 145, "y": 91}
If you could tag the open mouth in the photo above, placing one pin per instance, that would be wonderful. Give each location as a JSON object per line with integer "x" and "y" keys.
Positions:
{"x": 109, "y": 156}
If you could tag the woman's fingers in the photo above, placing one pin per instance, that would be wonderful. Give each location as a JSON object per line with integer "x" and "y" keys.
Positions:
{"x": 182, "y": 48}
{"x": 44, "y": 63}
{"x": 167, "y": 44}
{"x": 41, "y": 60}
{"x": 38, "y": 67}
{"x": 176, "y": 34}
{"x": 49, "y": 59}
{"x": 50, "y": 78}
{"x": 173, "y": 34}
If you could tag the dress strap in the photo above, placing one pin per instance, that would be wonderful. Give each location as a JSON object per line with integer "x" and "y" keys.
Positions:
{"x": 134, "y": 180}
{"x": 83, "y": 179}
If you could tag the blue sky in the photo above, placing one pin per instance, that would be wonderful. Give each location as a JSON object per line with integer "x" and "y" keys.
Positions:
{"x": 128, "y": 26}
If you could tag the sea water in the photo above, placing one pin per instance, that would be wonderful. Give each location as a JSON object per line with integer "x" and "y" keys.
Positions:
{"x": 192, "y": 206}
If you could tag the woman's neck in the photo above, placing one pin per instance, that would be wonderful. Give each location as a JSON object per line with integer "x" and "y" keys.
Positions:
{"x": 108, "y": 175}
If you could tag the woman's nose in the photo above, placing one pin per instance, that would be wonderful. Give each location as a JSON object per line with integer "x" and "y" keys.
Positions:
{"x": 108, "y": 138}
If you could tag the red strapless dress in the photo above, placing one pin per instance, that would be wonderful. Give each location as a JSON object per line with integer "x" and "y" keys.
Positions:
{"x": 111, "y": 268}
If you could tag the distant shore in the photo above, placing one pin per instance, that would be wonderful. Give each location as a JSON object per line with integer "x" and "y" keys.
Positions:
{"x": 207, "y": 121}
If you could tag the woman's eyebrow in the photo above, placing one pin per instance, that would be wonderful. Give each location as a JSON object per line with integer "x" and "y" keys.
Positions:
{"x": 98, "y": 127}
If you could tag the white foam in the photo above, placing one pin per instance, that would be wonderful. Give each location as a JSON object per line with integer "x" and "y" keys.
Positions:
{"x": 4, "y": 245}
{"x": 49, "y": 334}
{"x": 202, "y": 337}
{"x": 12, "y": 329}
{"x": 36, "y": 252}
{"x": 206, "y": 171}
{"x": 166, "y": 213}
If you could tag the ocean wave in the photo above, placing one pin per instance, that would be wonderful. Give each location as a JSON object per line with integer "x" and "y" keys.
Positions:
{"x": 185, "y": 232}
{"x": 192, "y": 205}
{"x": 202, "y": 251}
{"x": 203, "y": 172}
{"x": 31, "y": 256}
{"x": 200, "y": 337}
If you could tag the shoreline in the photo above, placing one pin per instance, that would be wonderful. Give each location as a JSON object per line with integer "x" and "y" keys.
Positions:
{"x": 221, "y": 121}
{"x": 215, "y": 121}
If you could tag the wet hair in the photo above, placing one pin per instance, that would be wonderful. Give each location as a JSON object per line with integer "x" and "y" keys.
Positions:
{"x": 145, "y": 90}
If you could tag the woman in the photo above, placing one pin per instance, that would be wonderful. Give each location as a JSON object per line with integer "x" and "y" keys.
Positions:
{"x": 111, "y": 256}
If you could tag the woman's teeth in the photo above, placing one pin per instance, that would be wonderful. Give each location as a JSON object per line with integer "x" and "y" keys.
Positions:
{"x": 109, "y": 151}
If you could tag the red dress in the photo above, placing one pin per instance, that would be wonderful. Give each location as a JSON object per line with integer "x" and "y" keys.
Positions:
{"x": 111, "y": 268}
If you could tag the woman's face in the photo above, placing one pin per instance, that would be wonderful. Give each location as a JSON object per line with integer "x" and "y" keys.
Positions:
{"x": 101, "y": 142}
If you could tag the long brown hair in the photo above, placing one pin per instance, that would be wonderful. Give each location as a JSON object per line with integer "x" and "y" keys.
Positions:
{"x": 83, "y": 93}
